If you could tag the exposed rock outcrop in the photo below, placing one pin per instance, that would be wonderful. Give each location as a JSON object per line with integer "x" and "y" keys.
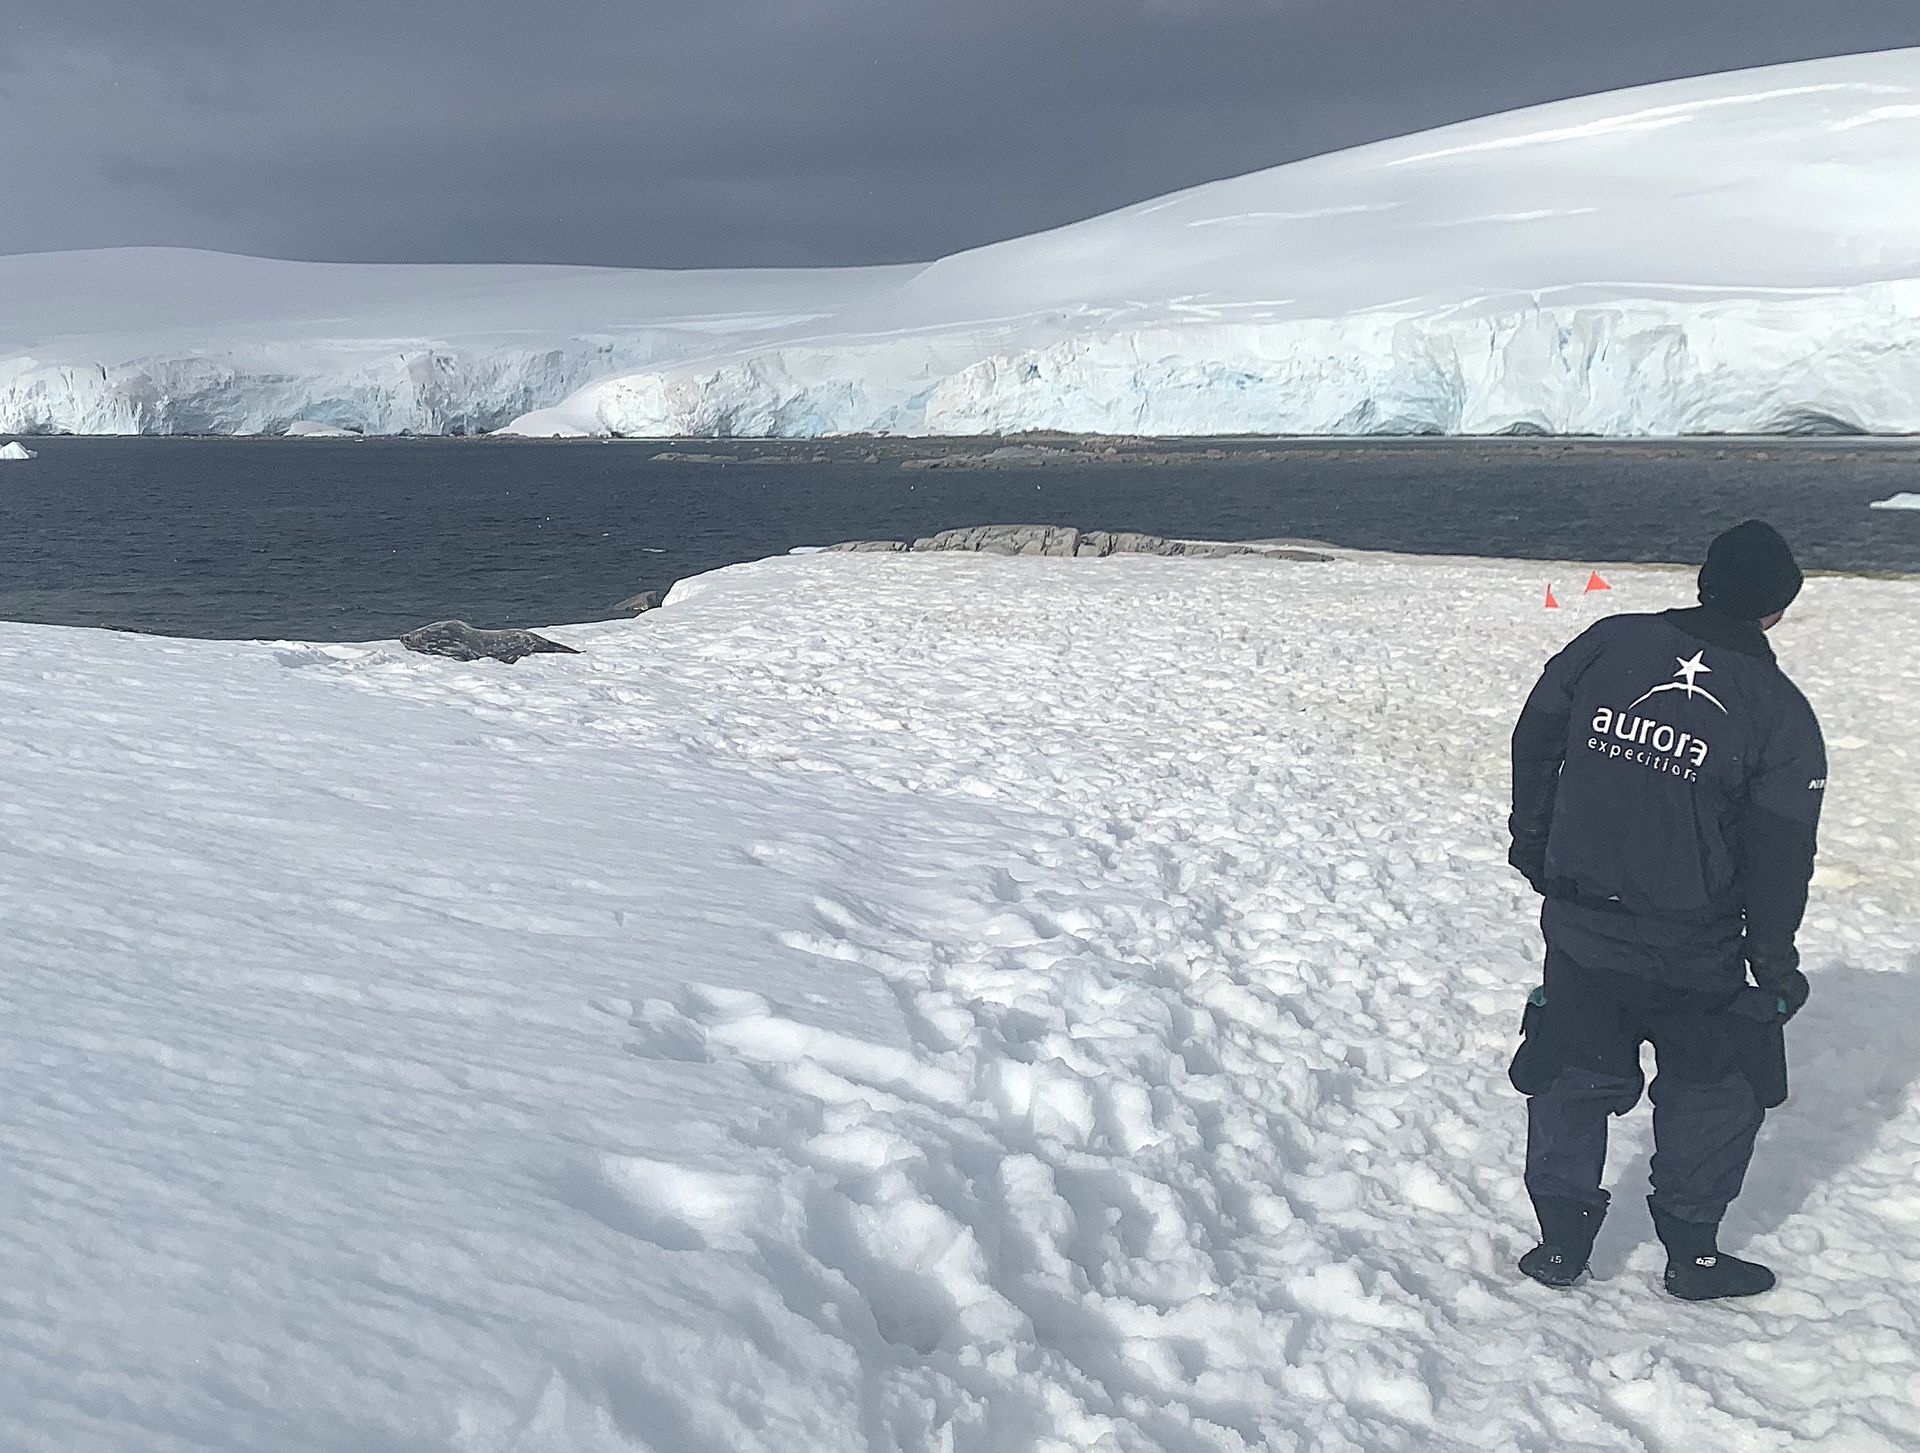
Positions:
{"x": 459, "y": 641}
{"x": 1059, "y": 540}
{"x": 1064, "y": 540}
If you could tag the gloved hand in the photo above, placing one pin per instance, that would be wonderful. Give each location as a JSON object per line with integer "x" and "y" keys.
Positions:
{"x": 1782, "y": 991}
{"x": 1529, "y": 858}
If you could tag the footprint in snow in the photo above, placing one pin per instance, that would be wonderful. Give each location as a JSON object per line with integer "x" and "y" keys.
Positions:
{"x": 676, "y": 1207}
{"x": 663, "y": 1032}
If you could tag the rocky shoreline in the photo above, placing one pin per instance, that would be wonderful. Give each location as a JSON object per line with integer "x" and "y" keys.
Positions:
{"x": 1065, "y": 540}
{"x": 1053, "y": 541}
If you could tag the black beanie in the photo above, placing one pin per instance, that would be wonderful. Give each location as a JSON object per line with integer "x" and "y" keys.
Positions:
{"x": 1750, "y": 572}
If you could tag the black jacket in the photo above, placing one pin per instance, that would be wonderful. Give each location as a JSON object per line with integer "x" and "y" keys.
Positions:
{"x": 1663, "y": 812}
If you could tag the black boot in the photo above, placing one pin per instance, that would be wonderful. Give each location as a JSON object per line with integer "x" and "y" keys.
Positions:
{"x": 1567, "y": 1229}
{"x": 1697, "y": 1270}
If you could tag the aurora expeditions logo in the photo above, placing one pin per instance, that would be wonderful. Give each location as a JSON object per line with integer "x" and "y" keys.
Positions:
{"x": 1657, "y": 744}
{"x": 1689, "y": 669}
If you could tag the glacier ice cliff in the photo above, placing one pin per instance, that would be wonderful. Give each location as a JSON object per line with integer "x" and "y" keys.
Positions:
{"x": 430, "y": 391}
{"x": 174, "y": 341}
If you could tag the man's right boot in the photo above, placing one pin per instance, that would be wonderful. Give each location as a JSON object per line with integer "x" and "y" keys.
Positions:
{"x": 1697, "y": 1270}
{"x": 1567, "y": 1229}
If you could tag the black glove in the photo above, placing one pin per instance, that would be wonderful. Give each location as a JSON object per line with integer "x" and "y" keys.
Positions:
{"x": 1783, "y": 988}
{"x": 1529, "y": 858}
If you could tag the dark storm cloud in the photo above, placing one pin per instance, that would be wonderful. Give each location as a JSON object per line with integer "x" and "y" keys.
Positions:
{"x": 728, "y": 132}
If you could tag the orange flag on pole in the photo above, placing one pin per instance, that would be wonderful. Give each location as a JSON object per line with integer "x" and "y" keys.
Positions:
{"x": 1552, "y": 604}
{"x": 1594, "y": 582}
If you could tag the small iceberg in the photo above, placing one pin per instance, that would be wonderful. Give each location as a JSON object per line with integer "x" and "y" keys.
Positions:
{"x": 1898, "y": 502}
{"x": 16, "y": 450}
{"x": 308, "y": 429}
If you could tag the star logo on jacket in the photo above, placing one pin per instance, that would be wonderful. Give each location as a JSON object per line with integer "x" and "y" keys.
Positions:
{"x": 1686, "y": 680}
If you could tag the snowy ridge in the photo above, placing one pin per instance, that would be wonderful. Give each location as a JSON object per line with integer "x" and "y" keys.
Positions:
{"x": 1736, "y": 252}
{"x": 1011, "y": 1003}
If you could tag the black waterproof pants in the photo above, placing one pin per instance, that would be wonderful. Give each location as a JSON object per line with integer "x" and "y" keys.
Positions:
{"x": 1717, "y": 1074}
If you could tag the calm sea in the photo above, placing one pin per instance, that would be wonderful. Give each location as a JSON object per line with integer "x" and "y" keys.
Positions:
{"x": 356, "y": 540}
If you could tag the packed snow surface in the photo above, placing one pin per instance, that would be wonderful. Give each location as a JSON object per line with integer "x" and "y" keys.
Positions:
{"x": 891, "y": 1003}
{"x": 1734, "y": 253}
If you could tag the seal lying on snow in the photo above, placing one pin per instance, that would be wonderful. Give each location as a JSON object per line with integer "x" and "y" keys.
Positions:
{"x": 462, "y": 642}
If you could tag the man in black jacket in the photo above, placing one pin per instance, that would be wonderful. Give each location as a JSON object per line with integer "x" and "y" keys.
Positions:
{"x": 1667, "y": 781}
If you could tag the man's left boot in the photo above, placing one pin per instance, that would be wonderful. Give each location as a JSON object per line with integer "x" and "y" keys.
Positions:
{"x": 1567, "y": 1229}
{"x": 1697, "y": 1270}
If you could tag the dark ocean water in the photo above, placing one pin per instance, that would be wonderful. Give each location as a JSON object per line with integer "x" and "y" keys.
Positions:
{"x": 356, "y": 540}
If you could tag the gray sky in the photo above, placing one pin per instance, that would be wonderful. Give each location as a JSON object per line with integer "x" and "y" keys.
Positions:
{"x": 775, "y": 132}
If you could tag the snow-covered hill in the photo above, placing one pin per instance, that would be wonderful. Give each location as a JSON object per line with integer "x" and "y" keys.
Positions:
{"x": 1731, "y": 253}
{"x": 1007, "y": 1004}
{"x": 1738, "y": 252}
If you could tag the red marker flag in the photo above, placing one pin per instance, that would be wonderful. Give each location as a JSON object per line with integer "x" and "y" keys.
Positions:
{"x": 1552, "y": 604}
{"x": 1594, "y": 582}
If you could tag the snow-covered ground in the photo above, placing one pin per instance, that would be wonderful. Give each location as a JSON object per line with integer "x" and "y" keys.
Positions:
{"x": 1736, "y": 253}
{"x": 889, "y": 1003}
